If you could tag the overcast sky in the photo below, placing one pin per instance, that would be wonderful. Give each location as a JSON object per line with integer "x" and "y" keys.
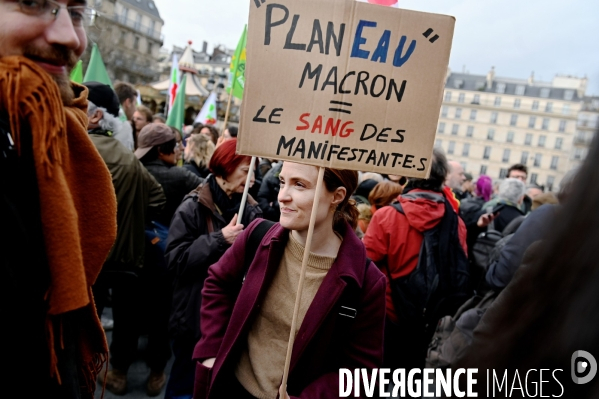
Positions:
{"x": 517, "y": 37}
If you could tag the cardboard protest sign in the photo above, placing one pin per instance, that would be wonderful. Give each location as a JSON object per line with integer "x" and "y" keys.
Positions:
{"x": 344, "y": 84}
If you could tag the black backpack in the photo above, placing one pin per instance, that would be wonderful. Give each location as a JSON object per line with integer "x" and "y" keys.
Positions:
{"x": 439, "y": 284}
{"x": 484, "y": 247}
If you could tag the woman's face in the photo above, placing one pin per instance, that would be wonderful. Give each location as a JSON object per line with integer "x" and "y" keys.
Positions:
{"x": 206, "y": 132}
{"x": 296, "y": 197}
{"x": 236, "y": 180}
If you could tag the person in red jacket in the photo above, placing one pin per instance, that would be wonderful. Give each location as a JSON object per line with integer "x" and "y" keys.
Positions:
{"x": 245, "y": 324}
{"x": 395, "y": 238}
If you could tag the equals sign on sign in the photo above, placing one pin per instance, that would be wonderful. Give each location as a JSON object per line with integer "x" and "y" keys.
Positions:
{"x": 340, "y": 103}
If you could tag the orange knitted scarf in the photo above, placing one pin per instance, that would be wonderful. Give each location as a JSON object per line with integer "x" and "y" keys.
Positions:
{"x": 77, "y": 205}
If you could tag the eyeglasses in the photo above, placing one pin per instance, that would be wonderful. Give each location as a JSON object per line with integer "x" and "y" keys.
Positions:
{"x": 49, "y": 9}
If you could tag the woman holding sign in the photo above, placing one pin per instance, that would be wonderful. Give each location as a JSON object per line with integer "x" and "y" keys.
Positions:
{"x": 248, "y": 298}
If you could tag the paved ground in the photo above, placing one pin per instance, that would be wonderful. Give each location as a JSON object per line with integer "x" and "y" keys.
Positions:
{"x": 138, "y": 373}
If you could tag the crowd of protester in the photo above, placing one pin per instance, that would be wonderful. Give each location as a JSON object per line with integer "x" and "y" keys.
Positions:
{"x": 144, "y": 218}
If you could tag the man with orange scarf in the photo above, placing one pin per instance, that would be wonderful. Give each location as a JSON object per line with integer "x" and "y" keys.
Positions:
{"x": 57, "y": 205}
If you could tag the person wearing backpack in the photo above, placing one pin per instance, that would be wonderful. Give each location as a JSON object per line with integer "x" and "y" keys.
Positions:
{"x": 432, "y": 285}
{"x": 249, "y": 295}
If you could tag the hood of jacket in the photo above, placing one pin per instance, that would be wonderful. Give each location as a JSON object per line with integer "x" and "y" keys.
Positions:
{"x": 424, "y": 209}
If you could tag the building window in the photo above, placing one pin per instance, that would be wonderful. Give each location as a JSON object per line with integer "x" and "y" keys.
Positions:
{"x": 533, "y": 178}
{"x": 473, "y": 115}
{"x": 483, "y": 169}
{"x": 554, "y": 162}
{"x": 502, "y": 173}
{"x": 470, "y": 131}
{"x": 542, "y": 140}
{"x": 461, "y": 97}
{"x": 438, "y": 143}
{"x": 550, "y": 182}
{"x": 458, "y": 113}
{"x": 517, "y": 103}
{"x": 454, "y": 129}
{"x": 520, "y": 90}
{"x": 513, "y": 120}
{"x": 451, "y": 148}
{"x": 510, "y": 137}
{"x": 535, "y": 105}
{"x": 524, "y": 157}
{"x": 441, "y": 128}
{"x": 532, "y": 121}
{"x": 566, "y": 109}
{"x": 562, "y": 126}
{"x": 466, "y": 150}
{"x": 444, "y": 111}
{"x": 493, "y": 117}
{"x": 578, "y": 153}
{"x": 487, "y": 153}
{"x": 568, "y": 95}
{"x": 558, "y": 143}
{"x": 136, "y": 43}
{"x": 137, "y": 25}
{"x": 476, "y": 99}
{"x": 150, "y": 48}
{"x": 537, "y": 161}
{"x": 528, "y": 139}
{"x": 506, "y": 155}
{"x": 545, "y": 124}
{"x": 500, "y": 88}
{"x": 549, "y": 107}
{"x": 497, "y": 101}
{"x": 447, "y": 96}
{"x": 491, "y": 134}
{"x": 545, "y": 93}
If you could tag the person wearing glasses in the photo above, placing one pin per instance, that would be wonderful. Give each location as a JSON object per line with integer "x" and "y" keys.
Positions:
{"x": 57, "y": 205}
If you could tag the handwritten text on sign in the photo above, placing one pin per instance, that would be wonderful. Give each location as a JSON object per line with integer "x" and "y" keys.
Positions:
{"x": 344, "y": 84}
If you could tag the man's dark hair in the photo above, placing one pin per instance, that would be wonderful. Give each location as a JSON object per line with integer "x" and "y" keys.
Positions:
{"x": 233, "y": 131}
{"x": 439, "y": 170}
{"x": 518, "y": 166}
{"x": 125, "y": 91}
{"x": 165, "y": 148}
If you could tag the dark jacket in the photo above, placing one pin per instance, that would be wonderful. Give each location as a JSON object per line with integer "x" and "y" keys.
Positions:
{"x": 193, "y": 167}
{"x": 139, "y": 199}
{"x": 533, "y": 228}
{"x": 321, "y": 346}
{"x": 176, "y": 183}
{"x": 268, "y": 193}
{"x": 191, "y": 249}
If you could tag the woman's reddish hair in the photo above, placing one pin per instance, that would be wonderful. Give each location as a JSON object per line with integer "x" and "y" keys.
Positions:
{"x": 224, "y": 161}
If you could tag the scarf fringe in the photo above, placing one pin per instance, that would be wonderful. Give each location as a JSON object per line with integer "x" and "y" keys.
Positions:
{"x": 38, "y": 108}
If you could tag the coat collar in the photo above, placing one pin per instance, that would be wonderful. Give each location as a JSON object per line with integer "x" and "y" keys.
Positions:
{"x": 350, "y": 258}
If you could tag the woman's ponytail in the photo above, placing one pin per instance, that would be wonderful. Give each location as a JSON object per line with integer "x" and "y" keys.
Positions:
{"x": 346, "y": 211}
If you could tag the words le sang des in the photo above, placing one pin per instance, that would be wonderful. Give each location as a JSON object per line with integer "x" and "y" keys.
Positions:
{"x": 340, "y": 91}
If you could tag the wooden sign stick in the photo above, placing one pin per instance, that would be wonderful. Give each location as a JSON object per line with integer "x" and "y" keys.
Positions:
{"x": 245, "y": 190}
{"x": 228, "y": 109}
{"x": 300, "y": 286}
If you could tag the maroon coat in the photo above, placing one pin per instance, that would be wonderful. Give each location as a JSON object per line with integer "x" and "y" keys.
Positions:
{"x": 324, "y": 343}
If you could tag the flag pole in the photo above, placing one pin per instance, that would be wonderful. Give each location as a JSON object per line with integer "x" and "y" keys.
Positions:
{"x": 300, "y": 286}
{"x": 246, "y": 189}
{"x": 228, "y": 105}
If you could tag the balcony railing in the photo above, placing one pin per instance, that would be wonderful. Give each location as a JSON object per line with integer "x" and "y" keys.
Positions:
{"x": 136, "y": 25}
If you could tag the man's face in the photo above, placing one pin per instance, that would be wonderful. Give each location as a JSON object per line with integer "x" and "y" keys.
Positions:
{"x": 51, "y": 42}
{"x": 518, "y": 174}
{"x": 129, "y": 107}
{"x": 456, "y": 176}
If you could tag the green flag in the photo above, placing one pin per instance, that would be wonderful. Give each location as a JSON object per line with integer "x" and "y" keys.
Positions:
{"x": 96, "y": 71}
{"x": 177, "y": 114}
{"x": 237, "y": 68}
{"x": 77, "y": 72}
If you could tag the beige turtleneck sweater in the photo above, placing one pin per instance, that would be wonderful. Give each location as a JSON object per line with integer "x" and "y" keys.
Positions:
{"x": 260, "y": 368}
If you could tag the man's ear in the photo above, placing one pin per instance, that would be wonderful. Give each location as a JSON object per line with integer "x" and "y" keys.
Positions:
{"x": 96, "y": 117}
